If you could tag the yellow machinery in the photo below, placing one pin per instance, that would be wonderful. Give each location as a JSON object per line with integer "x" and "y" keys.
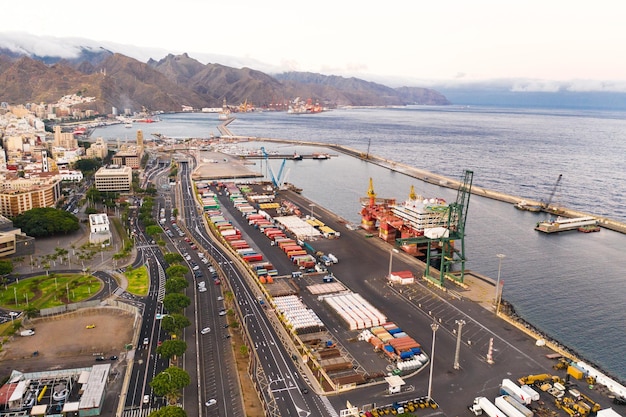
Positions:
{"x": 531, "y": 379}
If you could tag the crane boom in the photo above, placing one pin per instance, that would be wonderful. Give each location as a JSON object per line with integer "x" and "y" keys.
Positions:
{"x": 558, "y": 181}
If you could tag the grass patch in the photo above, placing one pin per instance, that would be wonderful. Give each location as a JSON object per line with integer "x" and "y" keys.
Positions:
{"x": 46, "y": 291}
{"x": 138, "y": 282}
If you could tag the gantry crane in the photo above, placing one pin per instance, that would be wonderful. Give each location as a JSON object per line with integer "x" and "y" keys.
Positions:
{"x": 447, "y": 237}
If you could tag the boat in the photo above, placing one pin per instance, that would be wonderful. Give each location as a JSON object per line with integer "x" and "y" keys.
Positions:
{"x": 299, "y": 106}
{"x": 321, "y": 156}
{"x": 408, "y": 219}
{"x": 297, "y": 157}
{"x": 128, "y": 125}
{"x": 561, "y": 224}
{"x": 589, "y": 228}
{"x": 525, "y": 205}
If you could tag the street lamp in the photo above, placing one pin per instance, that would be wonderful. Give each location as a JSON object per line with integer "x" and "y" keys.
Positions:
{"x": 391, "y": 251}
{"x": 459, "y": 323}
{"x": 434, "y": 327}
{"x": 496, "y": 300}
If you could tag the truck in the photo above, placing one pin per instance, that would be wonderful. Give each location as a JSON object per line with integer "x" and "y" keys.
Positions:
{"x": 512, "y": 407}
{"x": 509, "y": 387}
{"x": 29, "y": 332}
{"x": 332, "y": 258}
{"x": 482, "y": 404}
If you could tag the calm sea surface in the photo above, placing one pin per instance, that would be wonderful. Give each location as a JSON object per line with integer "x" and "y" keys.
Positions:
{"x": 572, "y": 285}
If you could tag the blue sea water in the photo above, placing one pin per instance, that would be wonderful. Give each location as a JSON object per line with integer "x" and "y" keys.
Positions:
{"x": 570, "y": 285}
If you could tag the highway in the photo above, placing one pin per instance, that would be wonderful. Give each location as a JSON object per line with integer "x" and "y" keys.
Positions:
{"x": 280, "y": 381}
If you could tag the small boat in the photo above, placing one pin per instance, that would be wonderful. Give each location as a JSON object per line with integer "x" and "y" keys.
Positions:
{"x": 128, "y": 125}
{"x": 297, "y": 156}
{"x": 321, "y": 156}
{"x": 590, "y": 228}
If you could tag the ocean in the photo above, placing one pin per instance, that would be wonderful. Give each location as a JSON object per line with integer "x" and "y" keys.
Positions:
{"x": 570, "y": 286}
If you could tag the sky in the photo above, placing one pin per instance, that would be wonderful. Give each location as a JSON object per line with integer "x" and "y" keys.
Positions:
{"x": 544, "y": 43}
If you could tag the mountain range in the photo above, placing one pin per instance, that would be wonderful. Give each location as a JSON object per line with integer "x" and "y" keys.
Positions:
{"x": 117, "y": 80}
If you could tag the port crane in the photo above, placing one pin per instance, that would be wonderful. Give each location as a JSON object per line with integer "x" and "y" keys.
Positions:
{"x": 454, "y": 232}
{"x": 546, "y": 205}
{"x": 276, "y": 180}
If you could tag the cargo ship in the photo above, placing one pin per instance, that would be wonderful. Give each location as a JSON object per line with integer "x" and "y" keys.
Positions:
{"x": 409, "y": 219}
{"x": 561, "y": 224}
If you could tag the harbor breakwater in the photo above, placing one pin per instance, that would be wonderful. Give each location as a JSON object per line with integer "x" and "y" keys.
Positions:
{"x": 441, "y": 180}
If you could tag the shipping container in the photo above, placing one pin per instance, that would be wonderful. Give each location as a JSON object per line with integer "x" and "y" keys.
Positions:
{"x": 254, "y": 257}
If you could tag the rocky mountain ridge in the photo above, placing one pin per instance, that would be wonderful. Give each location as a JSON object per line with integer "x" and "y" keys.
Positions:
{"x": 174, "y": 81}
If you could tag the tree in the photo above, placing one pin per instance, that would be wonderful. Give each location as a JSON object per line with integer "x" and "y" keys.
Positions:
{"x": 46, "y": 221}
{"x": 169, "y": 411}
{"x": 31, "y": 312}
{"x": 174, "y": 323}
{"x": 169, "y": 383}
{"x": 6, "y": 267}
{"x": 176, "y": 284}
{"x": 173, "y": 258}
{"x": 176, "y": 271}
{"x": 172, "y": 348}
{"x": 153, "y": 230}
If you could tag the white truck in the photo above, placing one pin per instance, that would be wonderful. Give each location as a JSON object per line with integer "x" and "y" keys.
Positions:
{"x": 483, "y": 405}
{"x": 29, "y": 332}
{"x": 509, "y": 387}
{"x": 512, "y": 407}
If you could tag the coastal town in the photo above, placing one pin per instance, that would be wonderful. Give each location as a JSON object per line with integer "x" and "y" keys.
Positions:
{"x": 307, "y": 290}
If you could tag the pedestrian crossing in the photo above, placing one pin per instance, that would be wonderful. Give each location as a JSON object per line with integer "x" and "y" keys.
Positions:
{"x": 139, "y": 412}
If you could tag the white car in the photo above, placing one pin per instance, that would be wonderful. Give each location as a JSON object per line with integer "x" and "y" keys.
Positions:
{"x": 211, "y": 402}
{"x": 220, "y": 298}
{"x": 146, "y": 399}
{"x": 205, "y": 330}
{"x": 222, "y": 313}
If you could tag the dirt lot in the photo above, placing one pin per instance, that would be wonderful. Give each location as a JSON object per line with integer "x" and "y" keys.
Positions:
{"x": 65, "y": 342}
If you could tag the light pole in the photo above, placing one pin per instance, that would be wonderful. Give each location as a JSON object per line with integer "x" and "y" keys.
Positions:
{"x": 434, "y": 327}
{"x": 460, "y": 323}
{"x": 391, "y": 251}
{"x": 495, "y": 300}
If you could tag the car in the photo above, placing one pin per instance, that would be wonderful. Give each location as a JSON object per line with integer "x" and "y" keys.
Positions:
{"x": 205, "y": 330}
{"x": 211, "y": 402}
{"x": 90, "y": 326}
{"x": 226, "y": 326}
{"x": 146, "y": 399}
{"x": 304, "y": 390}
{"x": 211, "y": 269}
{"x": 220, "y": 298}
{"x": 222, "y": 313}
{"x": 146, "y": 341}
{"x": 99, "y": 358}
{"x": 202, "y": 289}
{"x": 113, "y": 357}
{"x": 196, "y": 267}
{"x": 227, "y": 336}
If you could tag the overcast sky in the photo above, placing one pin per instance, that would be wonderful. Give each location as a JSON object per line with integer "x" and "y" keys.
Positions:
{"x": 551, "y": 40}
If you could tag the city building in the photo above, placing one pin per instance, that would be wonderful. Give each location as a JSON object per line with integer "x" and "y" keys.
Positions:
{"x": 99, "y": 229}
{"x": 114, "y": 178}
{"x": 13, "y": 241}
{"x": 64, "y": 140}
{"x": 99, "y": 149}
{"x": 20, "y": 194}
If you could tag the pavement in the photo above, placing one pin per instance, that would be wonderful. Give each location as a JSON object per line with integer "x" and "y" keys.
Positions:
{"x": 75, "y": 243}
